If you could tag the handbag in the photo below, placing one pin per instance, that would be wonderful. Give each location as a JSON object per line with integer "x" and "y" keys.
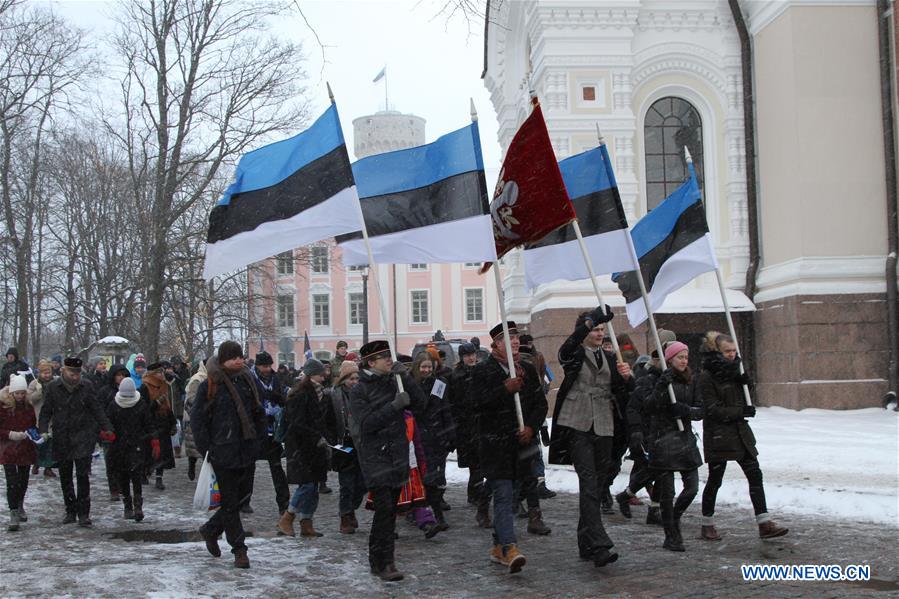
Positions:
{"x": 207, "y": 495}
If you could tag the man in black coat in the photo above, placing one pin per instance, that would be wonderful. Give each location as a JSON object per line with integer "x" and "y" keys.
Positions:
{"x": 76, "y": 416}
{"x": 377, "y": 407}
{"x": 228, "y": 421}
{"x": 271, "y": 451}
{"x": 588, "y": 408}
{"x": 14, "y": 365}
{"x": 505, "y": 448}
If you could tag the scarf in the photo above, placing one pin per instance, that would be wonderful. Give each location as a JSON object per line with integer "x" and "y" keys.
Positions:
{"x": 504, "y": 362}
{"x": 220, "y": 375}
{"x": 126, "y": 402}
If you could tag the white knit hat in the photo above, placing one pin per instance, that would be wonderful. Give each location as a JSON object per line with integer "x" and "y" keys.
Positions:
{"x": 17, "y": 383}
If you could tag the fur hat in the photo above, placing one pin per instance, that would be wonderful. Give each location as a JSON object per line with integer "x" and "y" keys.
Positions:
{"x": 313, "y": 367}
{"x": 675, "y": 348}
{"x": 17, "y": 383}
{"x": 229, "y": 350}
{"x": 73, "y": 363}
{"x": 347, "y": 369}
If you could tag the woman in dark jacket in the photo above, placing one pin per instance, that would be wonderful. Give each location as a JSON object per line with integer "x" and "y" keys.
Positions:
{"x": 339, "y": 425}
{"x": 17, "y": 450}
{"x": 670, "y": 449}
{"x": 306, "y": 449}
{"x": 158, "y": 394}
{"x": 126, "y": 456}
{"x": 229, "y": 423}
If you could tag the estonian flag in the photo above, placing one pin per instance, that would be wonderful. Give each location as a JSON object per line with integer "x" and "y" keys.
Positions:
{"x": 426, "y": 204}
{"x": 284, "y": 195}
{"x": 674, "y": 247}
{"x": 590, "y": 182}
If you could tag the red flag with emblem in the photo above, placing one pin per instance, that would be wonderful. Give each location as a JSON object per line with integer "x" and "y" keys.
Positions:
{"x": 530, "y": 200}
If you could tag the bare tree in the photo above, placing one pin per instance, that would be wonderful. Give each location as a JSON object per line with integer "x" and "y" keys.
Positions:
{"x": 204, "y": 83}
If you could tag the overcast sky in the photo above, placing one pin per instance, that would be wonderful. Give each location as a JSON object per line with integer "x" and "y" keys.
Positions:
{"x": 434, "y": 63}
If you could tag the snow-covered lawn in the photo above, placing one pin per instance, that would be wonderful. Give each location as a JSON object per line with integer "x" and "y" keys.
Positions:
{"x": 830, "y": 462}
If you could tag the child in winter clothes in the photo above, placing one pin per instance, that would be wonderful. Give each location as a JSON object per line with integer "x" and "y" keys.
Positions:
{"x": 133, "y": 425}
{"x": 17, "y": 450}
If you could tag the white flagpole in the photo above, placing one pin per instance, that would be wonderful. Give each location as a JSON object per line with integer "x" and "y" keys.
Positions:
{"x": 730, "y": 321}
{"x": 371, "y": 262}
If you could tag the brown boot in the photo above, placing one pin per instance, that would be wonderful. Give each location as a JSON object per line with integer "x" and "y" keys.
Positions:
{"x": 353, "y": 520}
{"x": 240, "y": 559}
{"x": 535, "y": 522}
{"x": 770, "y": 530}
{"x": 709, "y": 533}
{"x": 346, "y": 525}
{"x": 285, "y": 524}
{"x": 307, "y": 530}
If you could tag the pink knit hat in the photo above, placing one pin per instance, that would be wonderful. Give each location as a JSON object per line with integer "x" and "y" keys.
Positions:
{"x": 674, "y": 349}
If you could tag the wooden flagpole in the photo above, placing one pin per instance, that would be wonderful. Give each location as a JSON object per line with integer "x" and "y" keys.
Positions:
{"x": 371, "y": 262}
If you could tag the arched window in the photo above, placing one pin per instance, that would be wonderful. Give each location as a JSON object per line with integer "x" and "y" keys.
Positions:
{"x": 671, "y": 123}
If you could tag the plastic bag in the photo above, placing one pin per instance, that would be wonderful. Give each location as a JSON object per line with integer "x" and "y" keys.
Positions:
{"x": 207, "y": 496}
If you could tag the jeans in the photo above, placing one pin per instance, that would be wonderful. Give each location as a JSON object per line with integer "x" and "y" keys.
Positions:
{"x": 503, "y": 511}
{"x": 304, "y": 501}
{"x": 752, "y": 471}
{"x": 538, "y": 467}
{"x": 16, "y": 484}
{"x": 381, "y": 541}
{"x": 235, "y": 487}
{"x": 591, "y": 455}
{"x": 80, "y": 503}
{"x": 352, "y": 489}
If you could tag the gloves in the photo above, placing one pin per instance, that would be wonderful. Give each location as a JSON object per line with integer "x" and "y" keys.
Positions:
{"x": 600, "y": 317}
{"x": 744, "y": 379}
{"x": 679, "y": 410}
{"x": 17, "y": 436}
{"x": 666, "y": 377}
{"x": 748, "y": 411}
{"x": 321, "y": 442}
{"x": 401, "y": 401}
{"x": 514, "y": 385}
{"x": 399, "y": 368}
{"x": 155, "y": 451}
{"x": 636, "y": 443}
{"x": 107, "y": 436}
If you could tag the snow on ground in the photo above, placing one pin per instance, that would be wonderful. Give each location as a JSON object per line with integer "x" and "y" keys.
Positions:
{"x": 841, "y": 463}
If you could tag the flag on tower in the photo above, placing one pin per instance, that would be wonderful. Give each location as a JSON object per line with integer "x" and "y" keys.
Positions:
{"x": 380, "y": 75}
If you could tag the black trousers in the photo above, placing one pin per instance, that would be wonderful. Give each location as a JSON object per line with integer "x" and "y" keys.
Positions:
{"x": 112, "y": 476}
{"x": 616, "y": 455}
{"x": 478, "y": 489}
{"x": 16, "y": 484}
{"x": 79, "y": 503}
{"x": 591, "y": 456}
{"x": 128, "y": 479}
{"x": 381, "y": 539}
{"x": 673, "y": 510}
{"x": 235, "y": 486}
{"x": 279, "y": 479}
{"x": 753, "y": 472}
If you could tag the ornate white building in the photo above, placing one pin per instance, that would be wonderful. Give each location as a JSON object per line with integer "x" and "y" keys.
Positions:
{"x": 656, "y": 75}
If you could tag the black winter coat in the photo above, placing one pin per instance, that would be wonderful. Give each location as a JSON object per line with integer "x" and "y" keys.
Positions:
{"x": 464, "y": 415}
{"x": 76, "y": 416}
{"x": 498, "y": 448}
{"x": 669, "y": 448}
{"x": 337, "y": 429}
{"x": 134, "y": 430}
{"x": 638, "y": 410}
{"x": 216, "y": 424}
{"x": 14, "y": 367}
{"x": 571, "y": 356}
{"x": 307, "y": 460}
{"x": 725, "y": 433}
{"x": 382, "y": 443}
{"x": 437, "y": 429}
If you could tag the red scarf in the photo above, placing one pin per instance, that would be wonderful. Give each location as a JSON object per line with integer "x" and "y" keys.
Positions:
{"x": 516, "y": 359}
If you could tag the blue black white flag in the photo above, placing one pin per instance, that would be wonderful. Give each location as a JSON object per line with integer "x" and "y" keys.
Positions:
{"x": 674, "y": 247}
{"x": 427, "y": 204}
{"x": 284, "y": 195}
{"x": 591, "y": 185}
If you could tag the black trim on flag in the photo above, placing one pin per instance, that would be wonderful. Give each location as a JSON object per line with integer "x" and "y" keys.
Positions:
{"x": 454, "y": 198}
{"x": 597, "y": 212}
{"x": 690, "y": 226}
{"x": 316, "y": 182}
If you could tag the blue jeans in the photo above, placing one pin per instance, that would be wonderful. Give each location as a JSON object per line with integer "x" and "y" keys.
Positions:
{"x": 503, "y": 511}
{"x": 538, "y": 468}
{"x": 304, "y": 501}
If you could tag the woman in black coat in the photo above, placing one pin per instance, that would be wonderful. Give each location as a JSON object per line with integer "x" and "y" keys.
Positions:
{"x": 157, "y": 392}
{"x": 305, "y": 448}
{"x": 670, "y": 449}
{"x": 126, "y": 456}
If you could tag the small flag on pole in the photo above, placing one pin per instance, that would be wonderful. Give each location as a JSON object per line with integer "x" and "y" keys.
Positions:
{"x": 674, "y": 247}
{"x": 380, "y": 75}
{"x": 307, "y": 347}
{"x": 530, "y": 200}
{"x": 284, "y": 195}
{"x": 591, "y": 185}
{"x": 426, "y": 204}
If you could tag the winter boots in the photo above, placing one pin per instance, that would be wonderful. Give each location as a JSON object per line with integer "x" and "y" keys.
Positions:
{"x": 483, "y": 516}
{"x": 324, "y": 489}
{"x": 543, "y": 492}
{"x": 653, "y": 516}
{"x": 346, "y": 525}
{"x": 23, "y": 517}
{"x": 604, "y": 557}
{"x": 138, "y": 509}
{"x": 509, "y": 556}
{"x": 212, "y": 542}
{"x": 159, "y": 484}
{"x": 84, "y": 520}
{"x": 13, "y": 521}
{"x": 191, "y": 468}
{"x": 129, "y": 509}
{"x": 285, "y": 524}
{"x": 388, "y": 573}
{"x": 240, "y": 559}
{"x": 770, "y": 530}
{"x": 307, "y": 530}
{"x": 70, "y": 518}
{"x": 709, "y": 533}
{"x": 624, "y": 504}
{"x": 535, "y": 522}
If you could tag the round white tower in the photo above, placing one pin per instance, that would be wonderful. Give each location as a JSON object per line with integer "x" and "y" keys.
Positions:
{"x": 386, "y": 131}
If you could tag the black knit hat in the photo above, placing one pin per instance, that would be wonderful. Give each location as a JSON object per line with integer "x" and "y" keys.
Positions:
{"x": 264, "y": 358}
{"x": 229, "y": 350}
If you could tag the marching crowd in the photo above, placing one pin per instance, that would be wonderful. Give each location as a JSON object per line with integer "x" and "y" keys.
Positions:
{"x": 387, "y": 427}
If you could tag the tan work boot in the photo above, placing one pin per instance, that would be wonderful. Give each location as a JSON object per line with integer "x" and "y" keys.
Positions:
{"x": 285, "y": 524}
{"x": 307, "y": 530}
{"x": 513, "y": 558}
{"x": 770, "y": 530}
{"x": 710, "y": 533}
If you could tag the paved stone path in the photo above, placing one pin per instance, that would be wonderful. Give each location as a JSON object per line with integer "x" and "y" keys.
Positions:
{"x": 47, "y": 559}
